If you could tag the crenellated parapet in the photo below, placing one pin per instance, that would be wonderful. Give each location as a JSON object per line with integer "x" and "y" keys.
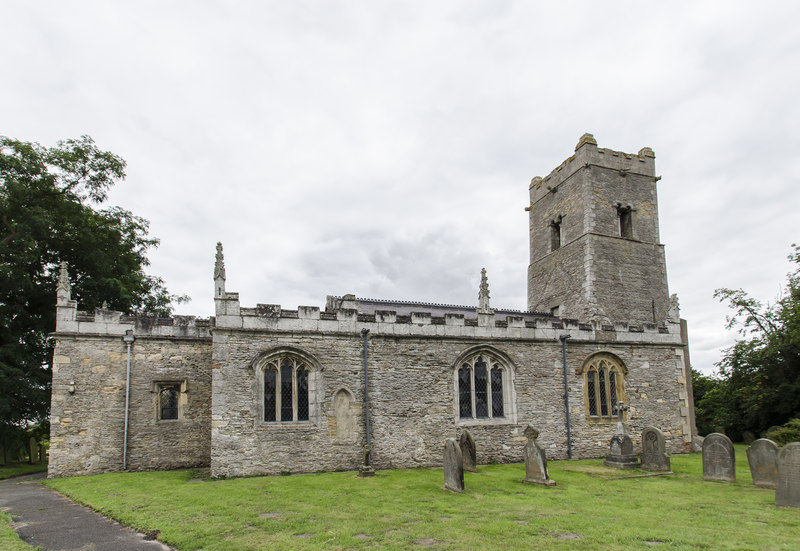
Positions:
{"x": 588, "y": 155}
{"x": 502, "y": 324}
{"x": 110, "y": 322}
{"x": 103, "y": 322}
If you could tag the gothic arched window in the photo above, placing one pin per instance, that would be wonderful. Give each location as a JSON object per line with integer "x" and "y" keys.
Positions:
{"x": 285, "y": 379}
{"x": 481, "y": 385}
{"x": 604, "y": 381}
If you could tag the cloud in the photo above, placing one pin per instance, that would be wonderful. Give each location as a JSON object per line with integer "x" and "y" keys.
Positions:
{"x": 386, "y": 148}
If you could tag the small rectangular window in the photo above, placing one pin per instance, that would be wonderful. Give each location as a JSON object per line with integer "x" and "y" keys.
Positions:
{"x": 168, "y": 400}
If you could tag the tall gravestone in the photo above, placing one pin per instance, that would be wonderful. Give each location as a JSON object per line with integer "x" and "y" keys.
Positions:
{"x": 33, "y": 446}
{"x": 762, "y": 457}
{"x": 468, "y": 452}
{"x": 535, "y": 460}
{"x": 453, "y": 466}
{"x": 620, "y": 449}
{"x": 654, "y": 455}
{"x": 787, "y": 492}
{"x": 719, "y": 458}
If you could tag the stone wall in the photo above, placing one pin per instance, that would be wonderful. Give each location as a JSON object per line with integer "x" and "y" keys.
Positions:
{"x": 413, "y": 390}
{"x": 88, "y": 397}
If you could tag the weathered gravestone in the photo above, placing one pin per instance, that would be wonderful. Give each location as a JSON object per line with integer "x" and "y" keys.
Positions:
{"x": 787, "y": 492}
{"x": 535, "y": 460}
{"x": 468, "y": 452}
{"x": 762, "y": 457}
{"x": 620, "y": 450}
{"x": 33, "y": 446}
{"x": 42, "y": 454}
{"x": 654, "y": 455}
{"x": 719, "y": 459}
{"x": 453, "y": 466}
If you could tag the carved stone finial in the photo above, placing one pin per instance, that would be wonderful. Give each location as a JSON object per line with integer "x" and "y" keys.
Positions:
{"x": 219, "y": 264}
{"x": 483, "y": 294}
{"x": 63, "y": 278}
{"x": 586, "y": 139}
{"x": 531, "y": 433}
{"x": 63, "y": 289}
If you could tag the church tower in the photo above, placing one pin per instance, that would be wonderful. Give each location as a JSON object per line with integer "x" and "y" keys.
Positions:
{"x": 594, "y": 241}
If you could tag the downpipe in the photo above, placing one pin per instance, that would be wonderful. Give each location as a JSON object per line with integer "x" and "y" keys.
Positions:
{"x": 563, "y": 339}
{"x": 368, "y": 451}
{"x": 128, "y": 339}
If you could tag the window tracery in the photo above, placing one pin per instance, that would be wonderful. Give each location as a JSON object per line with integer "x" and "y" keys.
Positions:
{"x": 286, "y": 389}
{"x": 604, "y": 381}
{"x": 481, "y": 388}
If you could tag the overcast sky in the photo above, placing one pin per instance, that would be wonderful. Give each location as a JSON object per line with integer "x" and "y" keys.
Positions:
{"x": 385, "y": 148}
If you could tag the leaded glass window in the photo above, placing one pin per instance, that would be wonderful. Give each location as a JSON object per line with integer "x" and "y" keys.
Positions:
{"x": 612, "y": 390}
{"x": 286, "y": 389}
{"x": 604, "y": 381}
{"x": 287, "y": 407}
{"x": 481, "y": 400}
{"x": 168, "y": 397}
{"x": 480, "y": 388}
{"x": 465, "y": 392}
{"x": 591, "y": 390}
{"x": 270, "y": 395}
{"x": 302, "y": 394}
{"x": 601, "y": 381}
{"x": 497, "y": 392}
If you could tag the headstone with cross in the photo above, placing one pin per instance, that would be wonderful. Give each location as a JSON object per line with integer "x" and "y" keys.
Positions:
{"x": 620, "y": 453}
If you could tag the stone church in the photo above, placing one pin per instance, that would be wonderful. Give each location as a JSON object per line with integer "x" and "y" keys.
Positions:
{"x": 267, "y": 390}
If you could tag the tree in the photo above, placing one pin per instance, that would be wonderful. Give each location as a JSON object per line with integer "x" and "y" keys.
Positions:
{"x": 48, "y": 214}
{"x": 761, "y": 371}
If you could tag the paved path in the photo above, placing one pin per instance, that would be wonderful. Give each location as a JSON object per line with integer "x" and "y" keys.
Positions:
{"x": 45, "y": 518}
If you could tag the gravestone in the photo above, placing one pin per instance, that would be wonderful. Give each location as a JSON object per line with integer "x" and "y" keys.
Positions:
{"x": 453, "y": 466}
{"x": 762, "y": 457}
{"x": 654, "y": 456}
{"x": 468, "y": 452}
{"x": 42, "y": 454}
{"x": 748, "y": 437}
{"x": 719, "y": 459}
{"x": 535, "y": 460}
{"x": 33, "y": 446}
{"x": 620, "y": 449}
{"x": 787, "y": 492}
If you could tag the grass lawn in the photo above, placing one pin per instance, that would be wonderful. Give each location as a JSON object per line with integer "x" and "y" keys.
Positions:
{"x": 18, "y": 469}
{"x": 588, "y": 509}
{"x": 9, "y": 541}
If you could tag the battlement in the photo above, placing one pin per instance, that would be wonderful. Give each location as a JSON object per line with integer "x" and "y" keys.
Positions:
{"x": 418, "y": 322}
{"x": 588, "y": 155}
{"x": 104, "y": 322}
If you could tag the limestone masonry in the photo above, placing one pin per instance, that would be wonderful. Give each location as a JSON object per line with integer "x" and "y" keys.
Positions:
{"x": 267, "y": 390}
